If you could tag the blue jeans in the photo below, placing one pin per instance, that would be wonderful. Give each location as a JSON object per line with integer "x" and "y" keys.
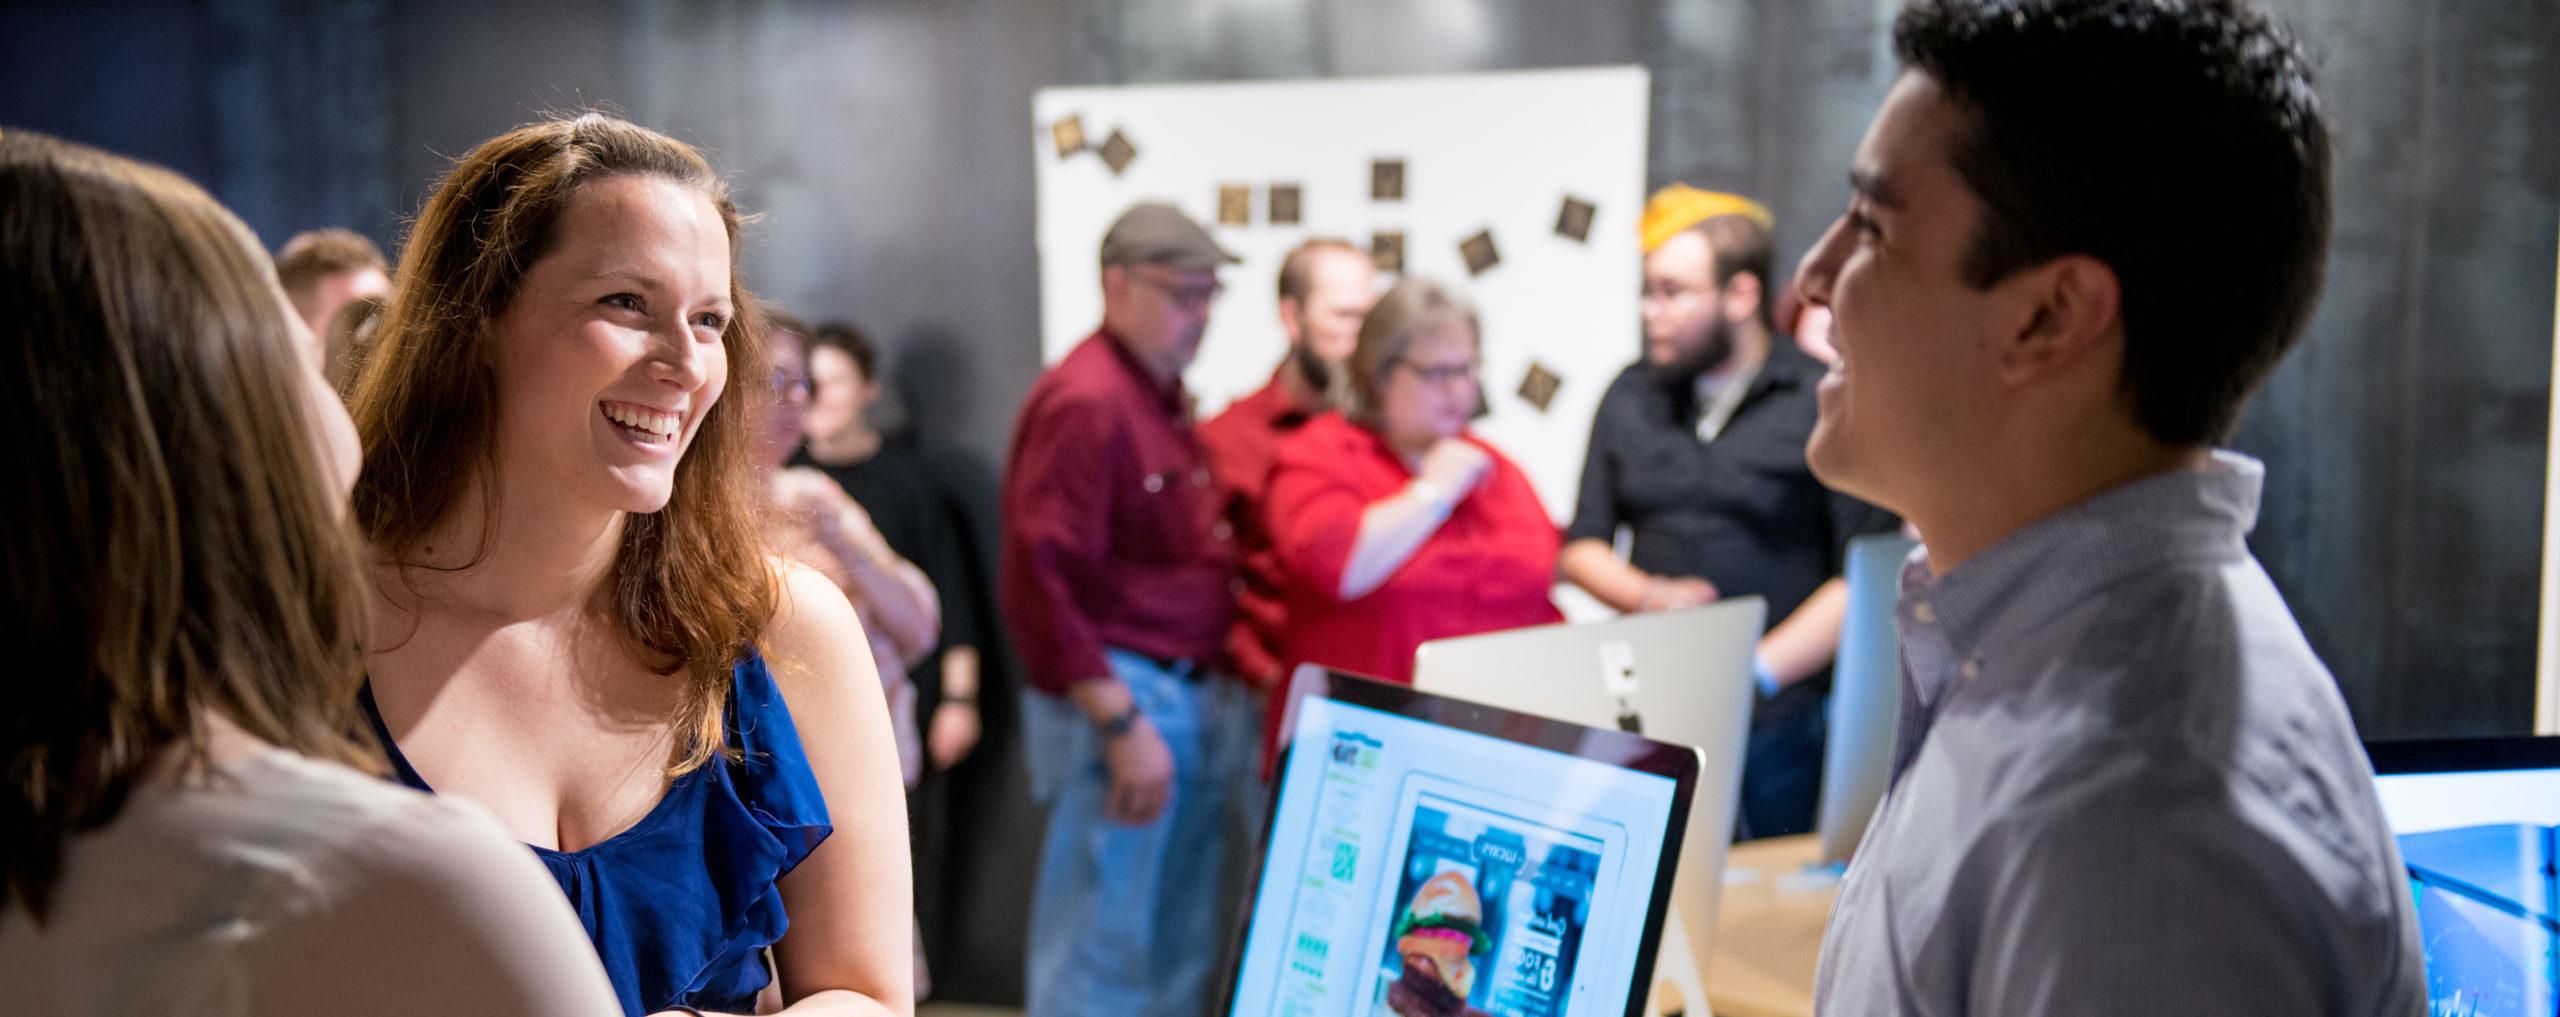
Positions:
{"x": 1782, "y": 763}
{"x": 1125, "y": 919}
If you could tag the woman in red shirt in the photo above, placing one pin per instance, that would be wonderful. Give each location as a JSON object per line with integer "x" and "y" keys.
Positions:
{"x": 1396, "y": 526}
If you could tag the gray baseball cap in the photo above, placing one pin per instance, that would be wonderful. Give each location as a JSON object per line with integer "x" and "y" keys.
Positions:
{"x": 1154, "y": 233}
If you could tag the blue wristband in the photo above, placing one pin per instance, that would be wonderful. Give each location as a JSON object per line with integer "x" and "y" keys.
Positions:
{"x": 1762, "y": 676}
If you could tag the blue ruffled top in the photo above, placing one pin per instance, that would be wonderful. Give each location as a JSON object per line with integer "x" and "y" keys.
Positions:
{"x": 681, "y": 905}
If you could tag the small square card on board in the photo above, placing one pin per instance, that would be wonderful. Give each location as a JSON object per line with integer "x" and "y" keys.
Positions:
{"x": 1235, "y": 205}
{"x": 1575, "y": 220}
{"x": 1284, "y": 205}
{"x": 1118, "y": 152}
{"x": 1387, "y": 249}
{"x": 1540, "y": 385}
{"x": 1068, "y": 133}
{"x": 1479, "y": 252}
{"x": 1386, "y": 180}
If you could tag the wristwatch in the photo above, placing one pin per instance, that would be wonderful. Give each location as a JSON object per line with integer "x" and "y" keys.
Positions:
{"x": 1113, "y": 728}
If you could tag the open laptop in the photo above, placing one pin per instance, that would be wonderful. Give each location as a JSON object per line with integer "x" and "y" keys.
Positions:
{"x": 1430, "y": 855}
{"x": 2475, "y": 818}
{"x": 1866, "y": 694}
{"x": 1680, "y": 676}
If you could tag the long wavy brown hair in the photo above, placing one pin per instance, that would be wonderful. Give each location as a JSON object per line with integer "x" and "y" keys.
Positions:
{"x": 690, "y": 589}
{"x": 173, "y": 546}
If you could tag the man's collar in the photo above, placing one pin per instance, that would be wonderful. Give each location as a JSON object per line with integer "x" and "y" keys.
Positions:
{"x": 2196, "y": 512}
{"x": 1281, "y": 396}
{"x": 1175, "y": 399}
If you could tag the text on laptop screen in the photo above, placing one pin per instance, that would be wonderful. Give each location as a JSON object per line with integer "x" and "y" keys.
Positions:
{"x": 1514, "y": 878}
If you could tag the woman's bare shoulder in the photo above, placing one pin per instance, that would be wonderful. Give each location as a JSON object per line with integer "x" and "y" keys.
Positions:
{"x": 814, "y": 627}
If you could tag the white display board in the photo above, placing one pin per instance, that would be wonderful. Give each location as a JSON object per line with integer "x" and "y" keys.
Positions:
{"x": 1492, "y": 153}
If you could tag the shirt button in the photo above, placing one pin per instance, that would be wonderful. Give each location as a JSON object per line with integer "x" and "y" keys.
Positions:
{"x": 1926, "y": 614}
{"x": 1155, "y": 482}
{"x": 1972, "y": 669}
{"x": 1223, "y": 530}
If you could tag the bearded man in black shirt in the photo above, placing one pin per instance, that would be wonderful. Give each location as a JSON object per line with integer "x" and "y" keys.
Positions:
{"x": 1697, "y": 451}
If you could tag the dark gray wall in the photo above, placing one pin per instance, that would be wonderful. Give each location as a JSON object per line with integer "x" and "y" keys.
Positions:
{"x": 890, "y": 143}
{"x": 2405, "y": 439}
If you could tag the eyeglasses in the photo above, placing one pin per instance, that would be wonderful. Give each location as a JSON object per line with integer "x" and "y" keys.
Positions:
{"x": 1188, "y": 298}
{"x": 1443, "y": 374}
{"x": 790, "y": 383}
{"x": 1668, "y": 291}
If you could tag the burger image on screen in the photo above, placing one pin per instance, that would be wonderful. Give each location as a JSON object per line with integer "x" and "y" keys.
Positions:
{"x": 1438, "y": 938}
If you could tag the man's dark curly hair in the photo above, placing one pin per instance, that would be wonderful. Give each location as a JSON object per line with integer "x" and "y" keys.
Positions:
{"x": 2179, "y": 142}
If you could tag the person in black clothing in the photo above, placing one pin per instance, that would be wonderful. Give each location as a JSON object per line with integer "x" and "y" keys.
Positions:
{"x": 894, "y": 481}
{"x": 934, "y": 506}
{"x": 1698, "y": 452}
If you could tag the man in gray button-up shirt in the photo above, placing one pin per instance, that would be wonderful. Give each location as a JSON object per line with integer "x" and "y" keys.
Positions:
{"x": 2083, "y": 231}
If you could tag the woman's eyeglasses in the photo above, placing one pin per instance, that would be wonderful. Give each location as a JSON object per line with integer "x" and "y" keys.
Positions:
{"x": 1442, "y": 374}
{"x": 790, "y": 383}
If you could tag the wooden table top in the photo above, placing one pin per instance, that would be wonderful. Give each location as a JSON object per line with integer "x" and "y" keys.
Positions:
{"x": 1769, "y": 929}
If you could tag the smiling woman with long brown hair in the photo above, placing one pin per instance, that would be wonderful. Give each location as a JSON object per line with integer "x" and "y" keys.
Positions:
{"x": 572, "y": 615}
{"x": 180, "y": 596}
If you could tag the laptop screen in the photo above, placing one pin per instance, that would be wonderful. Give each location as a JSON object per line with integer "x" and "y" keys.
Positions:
{"x": 2475, "y": 822}
{"x": 1413, "y": 866}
